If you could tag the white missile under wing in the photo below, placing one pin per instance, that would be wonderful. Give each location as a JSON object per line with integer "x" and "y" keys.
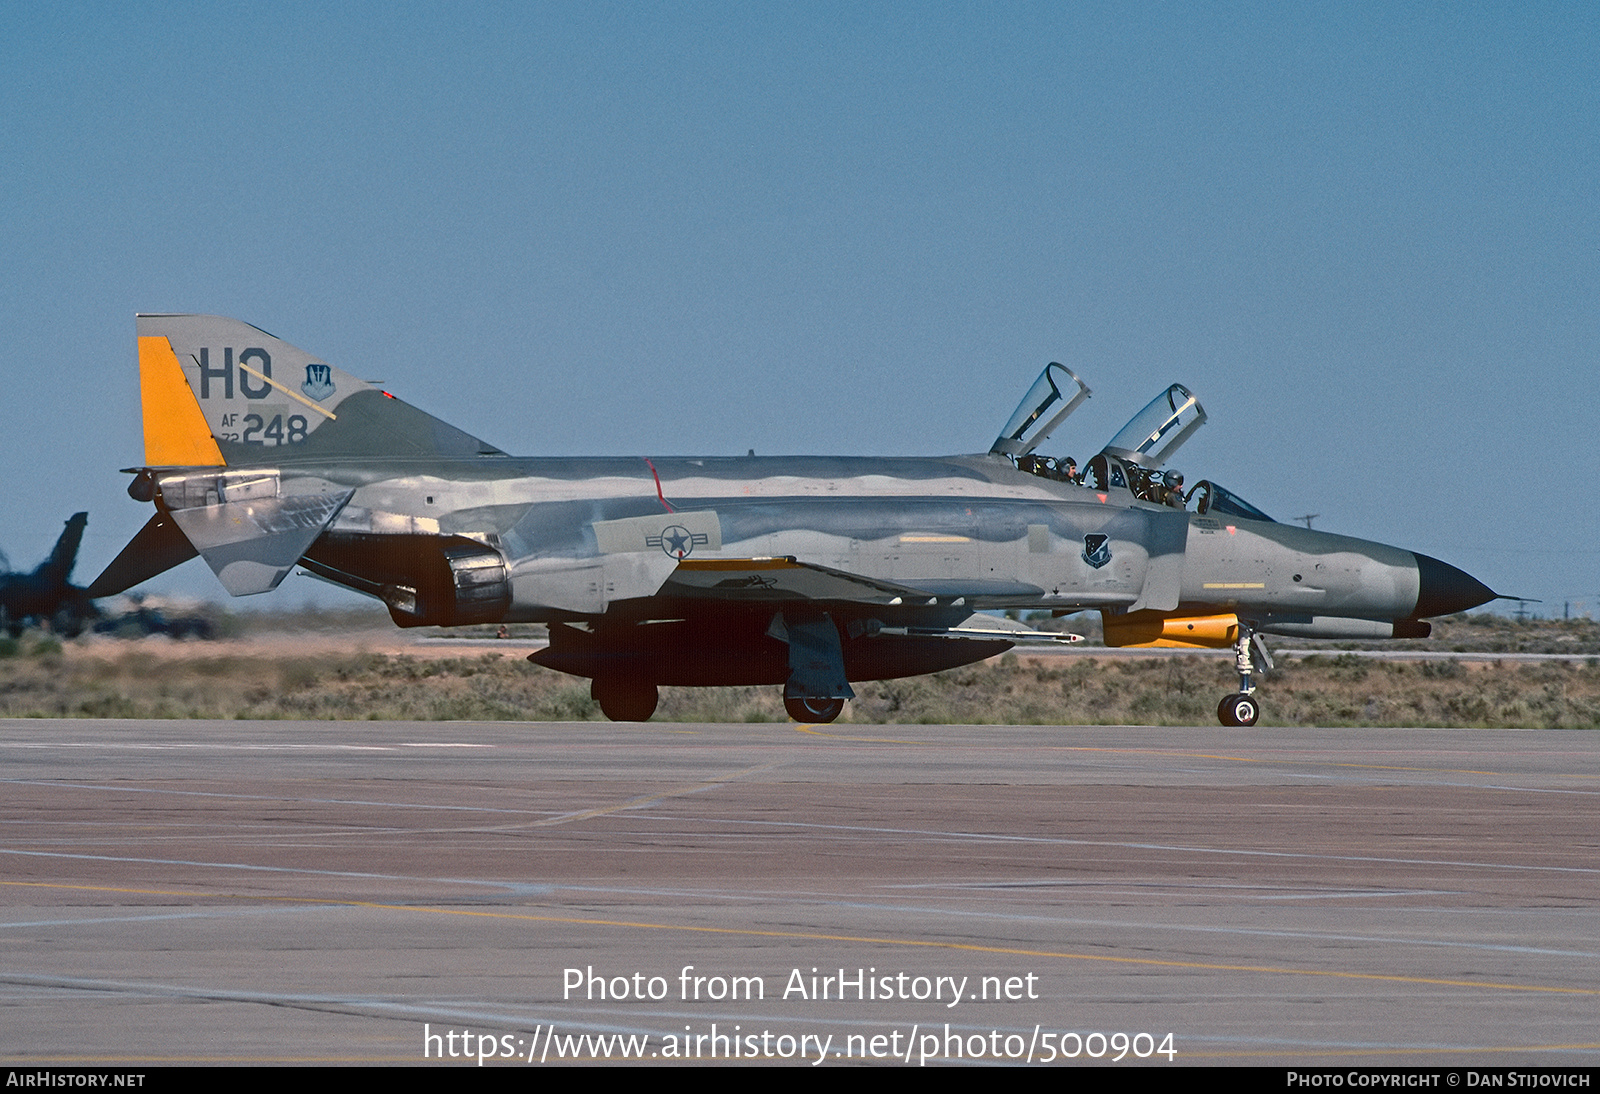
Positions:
{"x": 804, "y": 572}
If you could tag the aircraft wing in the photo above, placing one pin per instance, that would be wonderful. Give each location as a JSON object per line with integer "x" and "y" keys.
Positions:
{"x": 993, "y": 628}
{"x": 777, "y": 580}
{"x": 785, "y": 580}
{"x": 779, "y": 620}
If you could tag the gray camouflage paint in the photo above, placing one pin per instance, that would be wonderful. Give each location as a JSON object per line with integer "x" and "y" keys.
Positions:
{"x": 319, "y": 463}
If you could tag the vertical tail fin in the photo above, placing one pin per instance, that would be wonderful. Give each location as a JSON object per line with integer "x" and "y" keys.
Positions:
{"x": 57, "y": 569}
{"x": 229, "y": 411}
{"x": 217, "y": 391}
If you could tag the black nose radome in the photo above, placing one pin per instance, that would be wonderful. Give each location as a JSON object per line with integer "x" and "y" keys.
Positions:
{"x": 1442, "y": 589}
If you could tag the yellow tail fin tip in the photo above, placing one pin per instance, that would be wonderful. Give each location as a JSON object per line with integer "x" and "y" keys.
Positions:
{"x": 175, "y": 431}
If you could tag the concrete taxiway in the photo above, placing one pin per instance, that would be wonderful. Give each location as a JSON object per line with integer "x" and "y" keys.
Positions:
{"x": 372, "y": 892}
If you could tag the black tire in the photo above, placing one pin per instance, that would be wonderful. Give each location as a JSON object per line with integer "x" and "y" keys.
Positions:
{"x": 625, "y": 700}
{"x": 812, "y": 711}
{"x": 1238, "y": 710}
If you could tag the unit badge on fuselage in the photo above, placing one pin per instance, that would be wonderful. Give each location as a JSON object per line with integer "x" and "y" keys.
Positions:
{"x": 1097, "y": 549}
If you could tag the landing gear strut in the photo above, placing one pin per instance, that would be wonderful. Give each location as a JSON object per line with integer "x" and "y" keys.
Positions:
{"x": 1241, "y": 708}
{"x": 817, "y": 685}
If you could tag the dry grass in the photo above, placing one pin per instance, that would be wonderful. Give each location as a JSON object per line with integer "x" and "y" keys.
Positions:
{"x": 159, "y": 679}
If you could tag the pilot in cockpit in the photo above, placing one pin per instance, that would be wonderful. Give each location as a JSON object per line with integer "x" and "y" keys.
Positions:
{"x": 1061, "y": 470}
{"x": 1172, "y": 493}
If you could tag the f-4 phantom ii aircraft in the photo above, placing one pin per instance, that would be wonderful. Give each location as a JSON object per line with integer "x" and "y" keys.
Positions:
{"x": 47, "y": 594}
{"x": 805, "y": 572}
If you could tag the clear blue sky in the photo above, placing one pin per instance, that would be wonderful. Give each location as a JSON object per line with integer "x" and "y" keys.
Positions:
{"x": 1367, "y": 236}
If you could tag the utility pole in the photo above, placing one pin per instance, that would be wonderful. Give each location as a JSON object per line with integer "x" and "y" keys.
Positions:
{"x": 1308, "y": 518}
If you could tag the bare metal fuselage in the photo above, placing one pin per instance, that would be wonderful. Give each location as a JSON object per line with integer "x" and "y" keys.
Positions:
{"x": 583, "y": 538}
{"x": 805, "y": 571}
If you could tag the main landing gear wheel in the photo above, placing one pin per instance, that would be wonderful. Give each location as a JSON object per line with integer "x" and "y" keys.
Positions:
{"x": 814, "y": 711}
{"x": 1238, "y": 710}
{"x": 625, "y": 700}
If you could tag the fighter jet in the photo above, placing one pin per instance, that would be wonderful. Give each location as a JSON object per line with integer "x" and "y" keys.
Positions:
{"x": 47, "y": 595}
{"x": 802, "y": 572}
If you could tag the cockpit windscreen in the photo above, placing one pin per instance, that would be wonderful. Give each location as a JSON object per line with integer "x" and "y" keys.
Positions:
{"x": 1213, "y": 500}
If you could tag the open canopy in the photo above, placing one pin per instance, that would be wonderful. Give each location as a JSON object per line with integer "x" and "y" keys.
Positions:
{"x": 1157, "y": 431}
{"x": 1055, "y": 394}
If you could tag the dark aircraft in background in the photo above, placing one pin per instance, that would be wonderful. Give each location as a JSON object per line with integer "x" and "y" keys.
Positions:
{"x": 47, "y": 595}
{"x": 806, "y": 572}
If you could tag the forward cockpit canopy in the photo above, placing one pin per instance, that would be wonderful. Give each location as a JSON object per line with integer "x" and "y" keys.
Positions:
{"x": 1157, "y": 431}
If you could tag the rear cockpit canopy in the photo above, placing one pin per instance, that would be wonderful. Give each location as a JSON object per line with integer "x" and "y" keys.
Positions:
{"x": 1055, "y": 394}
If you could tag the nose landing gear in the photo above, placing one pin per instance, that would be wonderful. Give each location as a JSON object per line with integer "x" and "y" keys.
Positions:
{"x": 1241, "y": 708}
{"x": 1238, "y": 710}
